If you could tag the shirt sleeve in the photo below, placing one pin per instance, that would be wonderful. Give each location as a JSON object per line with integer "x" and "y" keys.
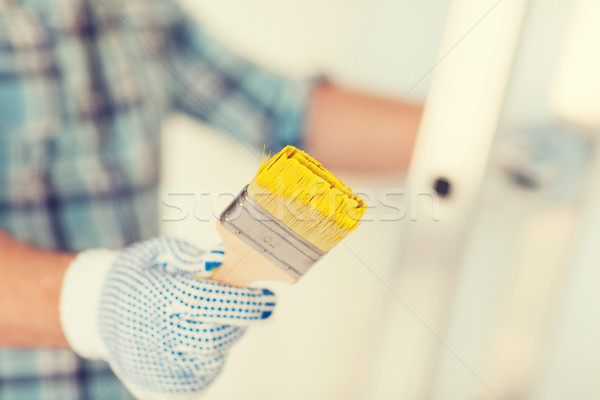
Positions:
{"x": 208, "y": 81}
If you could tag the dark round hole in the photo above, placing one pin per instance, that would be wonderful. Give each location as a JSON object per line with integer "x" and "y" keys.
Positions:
{"x": 442, "y": 187}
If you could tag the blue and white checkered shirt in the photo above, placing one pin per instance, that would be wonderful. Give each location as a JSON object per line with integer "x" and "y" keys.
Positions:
{"x": 84, "y": 86}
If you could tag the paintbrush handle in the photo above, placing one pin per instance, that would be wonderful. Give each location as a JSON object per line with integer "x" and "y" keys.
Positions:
{"x": 244, "y": 264}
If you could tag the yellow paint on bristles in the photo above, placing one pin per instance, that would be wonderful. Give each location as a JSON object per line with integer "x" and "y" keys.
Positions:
{"x": 297, "y": 190}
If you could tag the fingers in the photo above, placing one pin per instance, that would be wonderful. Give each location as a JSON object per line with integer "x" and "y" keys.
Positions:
{"x": 173, "y": 256}
{"x": 180, "y": 256}
{"x": 192, "y": 338}
{"x": 213, "y": 302}
{"x": 214, "y": 259}
{"x": 178, "y": 263}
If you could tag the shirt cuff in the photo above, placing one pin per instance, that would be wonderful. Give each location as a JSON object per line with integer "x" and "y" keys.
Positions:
{"x": 290, "y": 114}
{"x": 80, "y": 301}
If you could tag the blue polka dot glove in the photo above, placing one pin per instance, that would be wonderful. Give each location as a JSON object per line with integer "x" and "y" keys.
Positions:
{"x": 164, "y": 331}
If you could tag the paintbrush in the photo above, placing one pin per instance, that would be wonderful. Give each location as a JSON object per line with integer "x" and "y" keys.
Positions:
{"x": 291, "y": 214}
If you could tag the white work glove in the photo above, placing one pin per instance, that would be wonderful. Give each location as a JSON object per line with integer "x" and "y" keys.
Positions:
{"x": 164, "y": 332}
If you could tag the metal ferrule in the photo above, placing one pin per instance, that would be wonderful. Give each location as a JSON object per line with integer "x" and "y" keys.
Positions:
{"x": 262, "y": 231}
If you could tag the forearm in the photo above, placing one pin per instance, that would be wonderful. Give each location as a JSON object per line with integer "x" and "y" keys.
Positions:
{"x": 355, "y": 131}
{"x": 29, "y": 294}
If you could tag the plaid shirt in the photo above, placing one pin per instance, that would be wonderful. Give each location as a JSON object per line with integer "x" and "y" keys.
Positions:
{"x": 84, "y": 86}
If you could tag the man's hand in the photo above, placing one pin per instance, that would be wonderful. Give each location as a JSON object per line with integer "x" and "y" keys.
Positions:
{"x": 164, "y": 332}
{"x": 355, "y": 131}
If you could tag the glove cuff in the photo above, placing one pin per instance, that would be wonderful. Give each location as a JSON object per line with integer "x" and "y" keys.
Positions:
{"x": 80, "y": 301}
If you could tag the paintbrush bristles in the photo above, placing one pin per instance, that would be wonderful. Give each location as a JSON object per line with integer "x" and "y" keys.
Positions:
{"x": 298, "y": 191}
